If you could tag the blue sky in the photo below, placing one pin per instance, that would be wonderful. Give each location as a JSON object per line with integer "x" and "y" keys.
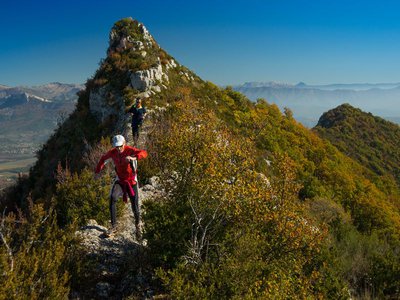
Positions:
{"x": 226, "y": 42}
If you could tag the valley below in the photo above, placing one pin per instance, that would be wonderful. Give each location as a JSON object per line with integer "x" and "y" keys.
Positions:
{"x": 28, "y": 116}
{"x": 13, "y": 164}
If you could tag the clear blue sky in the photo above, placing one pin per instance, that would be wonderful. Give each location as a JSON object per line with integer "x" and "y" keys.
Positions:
{"x": 226, "y": 42}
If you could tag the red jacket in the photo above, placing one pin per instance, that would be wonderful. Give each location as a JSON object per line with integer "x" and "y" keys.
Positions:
{"x": 122, "y": 166}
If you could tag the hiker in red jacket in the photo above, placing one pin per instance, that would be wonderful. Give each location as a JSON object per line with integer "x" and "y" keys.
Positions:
{"x": 125, "y": 161}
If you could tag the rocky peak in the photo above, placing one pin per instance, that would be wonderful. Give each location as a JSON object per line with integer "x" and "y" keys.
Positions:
{"x": 140, "y": 65}
{"x": 130, "y": 34}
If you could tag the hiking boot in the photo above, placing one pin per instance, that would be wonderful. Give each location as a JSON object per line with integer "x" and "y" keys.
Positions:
{"x": 110, "y": 232}
{"x": 138, "y": 232}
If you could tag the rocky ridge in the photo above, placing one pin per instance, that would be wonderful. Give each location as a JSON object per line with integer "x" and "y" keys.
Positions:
{"x": 104, "y": 101}
{"x": 111, "y": 254}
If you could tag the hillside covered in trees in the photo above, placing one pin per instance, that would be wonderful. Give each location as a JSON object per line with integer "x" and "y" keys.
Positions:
{"x": 252, "y": 204}
{"x": 370, "y": 140}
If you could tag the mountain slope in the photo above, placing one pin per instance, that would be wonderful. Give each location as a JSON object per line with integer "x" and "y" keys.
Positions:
{"x": 252, "y": 204}
{"x": 370, "y": 140}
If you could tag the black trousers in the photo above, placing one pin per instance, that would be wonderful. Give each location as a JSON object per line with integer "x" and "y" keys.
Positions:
{"x": 134, "y": 203}
{"x": 135, "y": 131}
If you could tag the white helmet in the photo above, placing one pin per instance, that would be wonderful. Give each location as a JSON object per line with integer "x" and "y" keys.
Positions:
{"x": 118, "y": 141}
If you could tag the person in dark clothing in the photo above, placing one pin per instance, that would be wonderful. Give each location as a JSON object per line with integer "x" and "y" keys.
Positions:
{"x": 138, "y": 113}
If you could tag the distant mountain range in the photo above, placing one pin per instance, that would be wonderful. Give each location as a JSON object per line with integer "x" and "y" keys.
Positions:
{"x": 335, "y": 86}
{"x": 309, "y": 102}
{"x": 28, "y": 115}
{"x": 36, "y": 109}
{"x": 54, "y": 91}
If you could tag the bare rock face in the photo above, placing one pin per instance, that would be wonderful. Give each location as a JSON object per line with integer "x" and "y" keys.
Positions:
{"x": 146, "y": 79}
{"x": 146, "y": 35}
{"x": 129, "y": 43}
{"x": 151, "y": 81}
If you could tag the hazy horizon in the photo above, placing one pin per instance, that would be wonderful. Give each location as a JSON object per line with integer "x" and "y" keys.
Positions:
{"x": 238, "y": 84}
{"x": 246, "y": 41}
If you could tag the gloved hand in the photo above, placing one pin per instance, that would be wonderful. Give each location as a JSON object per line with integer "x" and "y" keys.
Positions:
{"x": 130, "y": 158}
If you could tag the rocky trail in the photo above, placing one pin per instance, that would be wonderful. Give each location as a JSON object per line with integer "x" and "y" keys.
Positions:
{"x": 115, "y": 257}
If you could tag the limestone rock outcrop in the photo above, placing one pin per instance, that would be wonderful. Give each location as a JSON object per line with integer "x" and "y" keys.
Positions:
{"x": 135, "y": 42}
{"x": 146, "y": 79}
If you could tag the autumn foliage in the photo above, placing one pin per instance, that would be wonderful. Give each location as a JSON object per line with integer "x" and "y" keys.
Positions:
{"x": 251, "y": 205}
{"x": 226, "y": 229}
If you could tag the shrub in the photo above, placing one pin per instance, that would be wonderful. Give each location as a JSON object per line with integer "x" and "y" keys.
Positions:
{"x": 79, "y": 197}
{"x": 36, "y": 256}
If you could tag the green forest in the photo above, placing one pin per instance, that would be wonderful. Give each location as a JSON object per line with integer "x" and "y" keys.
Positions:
{"x": 255, "y": 205}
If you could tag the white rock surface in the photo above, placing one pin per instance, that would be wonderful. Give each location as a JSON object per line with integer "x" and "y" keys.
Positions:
{"x": 145, "y": 79}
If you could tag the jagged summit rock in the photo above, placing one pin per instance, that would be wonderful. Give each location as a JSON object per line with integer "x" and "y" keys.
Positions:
{"x": 130, "y": 34}
{"x": 135, "y": 64}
